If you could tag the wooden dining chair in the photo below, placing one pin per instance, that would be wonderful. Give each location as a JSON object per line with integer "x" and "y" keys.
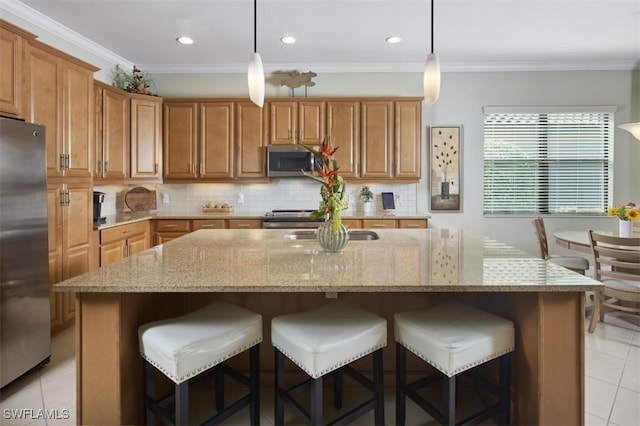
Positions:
{"x": 575, "y": 263}
{"x": 617, "y": 266}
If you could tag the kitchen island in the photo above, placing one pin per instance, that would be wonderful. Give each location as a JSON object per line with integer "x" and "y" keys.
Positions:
{"x": 272, "y": 272}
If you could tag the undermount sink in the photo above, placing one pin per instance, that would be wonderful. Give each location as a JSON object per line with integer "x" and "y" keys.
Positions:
{"x": 355, "y": 235}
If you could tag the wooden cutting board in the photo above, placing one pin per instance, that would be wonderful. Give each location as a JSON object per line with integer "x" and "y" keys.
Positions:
{"x": 140, "y": 199}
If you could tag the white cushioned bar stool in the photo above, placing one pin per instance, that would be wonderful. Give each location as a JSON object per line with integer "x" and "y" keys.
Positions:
{"x": 188, "y": 347}
{"x": 453, "y": 338}
{"x": 323, "y": 342}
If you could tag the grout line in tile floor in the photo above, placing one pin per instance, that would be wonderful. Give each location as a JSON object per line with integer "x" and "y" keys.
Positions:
{"x": 612, "y": 390}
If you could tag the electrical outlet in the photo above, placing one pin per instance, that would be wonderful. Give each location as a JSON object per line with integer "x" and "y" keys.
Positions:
{"x": 240, "y": 198}
{"x": 165, "y": 198}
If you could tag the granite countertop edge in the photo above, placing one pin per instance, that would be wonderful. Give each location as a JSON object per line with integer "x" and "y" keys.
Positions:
{"x": 127, "y": 218}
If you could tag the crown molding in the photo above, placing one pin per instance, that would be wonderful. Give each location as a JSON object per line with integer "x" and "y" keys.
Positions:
{"x": 396, "y": 68}
{"x": 43, "y": 22}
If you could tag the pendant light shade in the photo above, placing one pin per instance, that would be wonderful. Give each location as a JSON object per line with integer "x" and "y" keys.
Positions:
{"x": 431, "y": 72}
{"x": 255, "y": 78}
{"x": 633, "y": 128}
{"x": 431, "y": 79}
{"x": 255, "y": 74}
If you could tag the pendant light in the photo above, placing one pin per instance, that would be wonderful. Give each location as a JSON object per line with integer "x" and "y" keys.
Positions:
{"x": 255, "y": 75}
{"x": 633, "y": 128}
{"x": 431, "y": 72}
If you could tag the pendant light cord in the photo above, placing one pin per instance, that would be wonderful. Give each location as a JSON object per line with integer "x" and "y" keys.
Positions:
{"x": 431, "y": 26}
{"x": 255, "y": 26}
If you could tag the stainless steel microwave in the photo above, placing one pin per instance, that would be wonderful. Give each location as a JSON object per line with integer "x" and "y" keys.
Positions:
{"x": 289, "y": 161}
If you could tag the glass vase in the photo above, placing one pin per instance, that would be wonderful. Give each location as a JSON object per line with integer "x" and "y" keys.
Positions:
{"x": 330, "y": 241}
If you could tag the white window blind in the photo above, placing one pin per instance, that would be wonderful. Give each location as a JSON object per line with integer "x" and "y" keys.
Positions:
{"x": 548, "y": 162}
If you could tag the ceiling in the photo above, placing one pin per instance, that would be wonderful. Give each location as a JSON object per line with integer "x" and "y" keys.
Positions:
{"x": 349, "y": 35}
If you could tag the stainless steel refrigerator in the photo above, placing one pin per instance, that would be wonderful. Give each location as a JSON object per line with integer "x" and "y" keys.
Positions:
{"x": 25, "y": 336}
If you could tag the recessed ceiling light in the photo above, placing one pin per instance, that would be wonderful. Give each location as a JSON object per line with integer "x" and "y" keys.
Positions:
{"x": 393, "y": 39}
{"x": 185, "y": 40}
{"x": 288, "y": 40}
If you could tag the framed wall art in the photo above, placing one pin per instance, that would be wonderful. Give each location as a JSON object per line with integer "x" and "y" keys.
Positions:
{"x": 445, "y": 151}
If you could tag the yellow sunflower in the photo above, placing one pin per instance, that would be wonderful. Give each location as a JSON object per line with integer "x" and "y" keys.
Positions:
{"x": 633, "y": 214}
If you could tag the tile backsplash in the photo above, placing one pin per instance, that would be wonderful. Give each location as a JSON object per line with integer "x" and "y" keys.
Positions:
{"x": 256, "y": 198}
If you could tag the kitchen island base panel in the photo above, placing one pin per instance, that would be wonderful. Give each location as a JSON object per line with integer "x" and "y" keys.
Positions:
{"x": 548, "y": 362}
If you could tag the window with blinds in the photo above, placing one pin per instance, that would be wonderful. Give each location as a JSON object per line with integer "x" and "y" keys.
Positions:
{"x": 550, "y": 162}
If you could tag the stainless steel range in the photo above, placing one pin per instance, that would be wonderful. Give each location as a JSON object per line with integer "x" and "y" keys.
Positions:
{"x": 290, "y": 219}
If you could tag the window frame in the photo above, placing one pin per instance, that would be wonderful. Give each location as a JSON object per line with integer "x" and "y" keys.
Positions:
{"x": 545, "y": 136}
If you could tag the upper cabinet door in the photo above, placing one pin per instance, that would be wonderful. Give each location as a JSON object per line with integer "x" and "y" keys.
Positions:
{"x": 216, "y": 140}
{"x": 293, "y": 122}
{"x": 311, "y": 122}
{"x": 251, "y": 136}
{"x": 78, "y": 107}
{"x": 283, "y": 118}
{"x": 377, "y": 139}
{"x": 343, "y": 129}
{"x": 113, "y": 135}
{"x": 146, "y": 138}
{"x": 408, "y": 139}
{"x": 11, "y": 48}
{"x": 44, "y": 105}
{"x": 180, "y": 140}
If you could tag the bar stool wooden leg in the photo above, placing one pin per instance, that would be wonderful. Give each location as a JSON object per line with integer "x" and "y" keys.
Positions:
{"x": 254, "y": 386}
{"x": 337, "y": 389}
{"x": 315, "y": 409}
{"x": 378, "y": 383}
{"x": 505, "y": 389}
{"x": 279, "y": 388}
{"x": 182, "y": 403}
{"x": 449, "y": 399}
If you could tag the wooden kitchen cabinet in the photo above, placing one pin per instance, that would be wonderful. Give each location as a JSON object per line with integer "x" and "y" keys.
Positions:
{"x": 293, "y": 122}
{"x": 377, "y": 139}
{"x": 216, "y": 142}
{"x": 70, "y": 220}
{"x": 180, "y": 140}
{"x": 169, "y": 229}
{"x": 112, "y": 134}
{"x": 408, "y": 139}
{"x": 343, "y": 128}
{"x": 208, "y": 224}
{"x": 199, "y": 140}
{"x": 61, "y": 97}
{"x": 379, "y": 223}
{"x": 413, "y": 223}
{"x": 12, "y": 44}
{"x": 251, "y": 137}
{"x": 352, "y": 223}
{"x": 123, "y": 241}
{"x": 146, "y": 138}
{"x": 244, "y": 223}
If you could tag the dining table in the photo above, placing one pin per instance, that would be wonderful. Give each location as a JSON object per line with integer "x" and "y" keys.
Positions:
{"x": 578, "y": 240}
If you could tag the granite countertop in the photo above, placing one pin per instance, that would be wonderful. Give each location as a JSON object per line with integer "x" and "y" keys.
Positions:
{"x": 265, "y": 260}
{"x": 125, "y": 218}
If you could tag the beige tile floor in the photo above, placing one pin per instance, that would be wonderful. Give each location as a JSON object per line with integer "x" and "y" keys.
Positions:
{"x": 612, "y": 395}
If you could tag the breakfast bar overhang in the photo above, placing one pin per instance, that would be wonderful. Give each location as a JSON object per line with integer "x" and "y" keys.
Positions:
{"x": 271, "y": 272}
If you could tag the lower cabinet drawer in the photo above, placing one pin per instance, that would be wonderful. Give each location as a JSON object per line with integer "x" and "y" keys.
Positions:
{"x": 172, "y": 225}
{"x": 378, "y": 223}
{"x": 245, "y": 224}
{"x": 412, "y": 223}
{"x": 352, "y": 223}
{"x": 123, "y": 231}
{"x": 208, "y": 224}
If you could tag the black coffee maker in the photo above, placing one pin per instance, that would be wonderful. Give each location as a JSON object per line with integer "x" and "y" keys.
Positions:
{"x": 98, "y": 199}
